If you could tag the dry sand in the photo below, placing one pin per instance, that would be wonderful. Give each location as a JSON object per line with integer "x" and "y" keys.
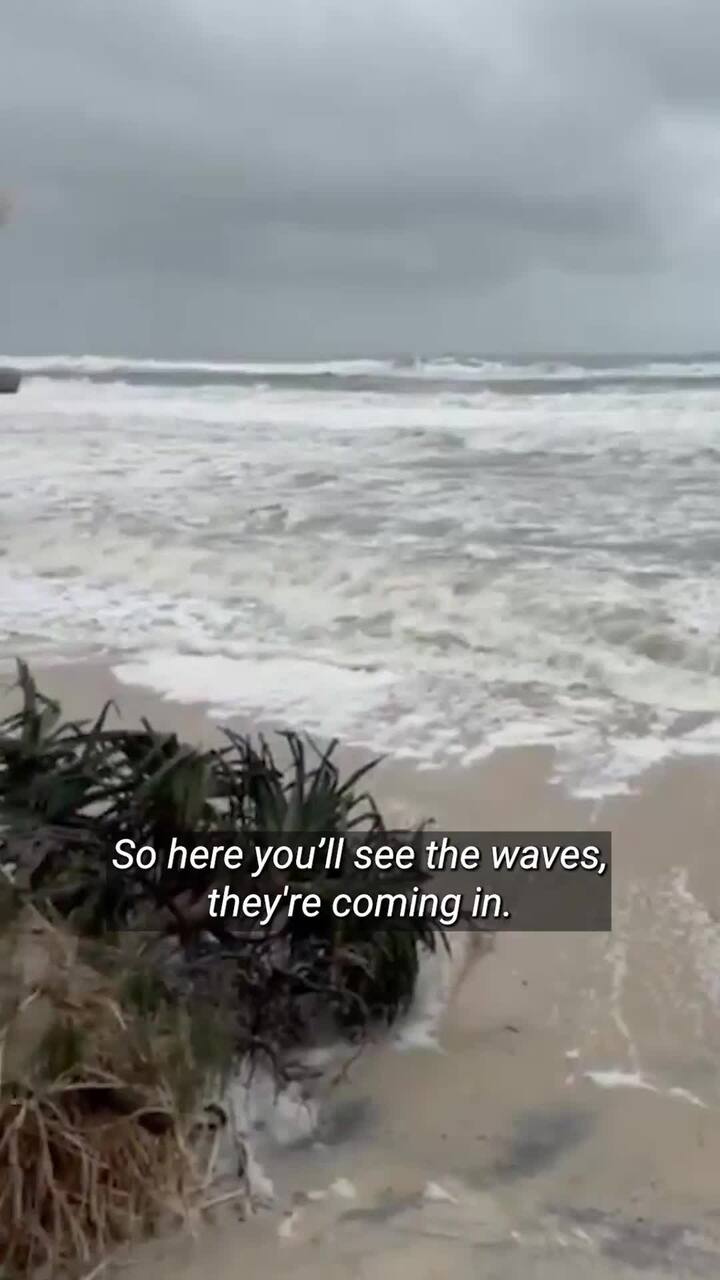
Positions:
{"x": 567, "y": 1124}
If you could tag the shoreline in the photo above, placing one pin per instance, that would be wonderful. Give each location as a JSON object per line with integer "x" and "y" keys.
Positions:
{"x": 563, "y": 1076}
{"x": 593, "y": 772}
{"x": 86, "y": 683}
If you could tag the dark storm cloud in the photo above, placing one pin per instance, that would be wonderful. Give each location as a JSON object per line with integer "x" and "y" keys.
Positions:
{"x": 201, "y": 175}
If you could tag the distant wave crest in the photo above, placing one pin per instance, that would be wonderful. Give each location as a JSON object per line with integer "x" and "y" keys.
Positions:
{"x": 442, "y": 369}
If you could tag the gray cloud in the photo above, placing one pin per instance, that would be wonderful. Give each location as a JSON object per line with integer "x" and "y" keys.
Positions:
{"x": 194, "y": 176}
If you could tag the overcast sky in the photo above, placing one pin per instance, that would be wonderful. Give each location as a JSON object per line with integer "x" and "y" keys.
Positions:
{"x": 292, "y": 177}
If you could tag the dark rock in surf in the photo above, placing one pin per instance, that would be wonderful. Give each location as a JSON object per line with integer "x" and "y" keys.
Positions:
{"x": 10, "y": 380}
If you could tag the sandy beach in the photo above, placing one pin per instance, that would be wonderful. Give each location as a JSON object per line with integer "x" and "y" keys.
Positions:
{"x": 558, "y": 1114}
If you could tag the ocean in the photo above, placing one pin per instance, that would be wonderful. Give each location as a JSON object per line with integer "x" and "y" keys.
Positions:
{"x": 434, "y": 559}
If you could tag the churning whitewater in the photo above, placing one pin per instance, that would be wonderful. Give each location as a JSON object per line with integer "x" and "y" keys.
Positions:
{"x": 430, "y": 558}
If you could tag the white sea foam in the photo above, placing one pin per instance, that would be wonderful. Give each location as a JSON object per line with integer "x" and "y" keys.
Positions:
{"x": 426, "y": 572}
{"x": 313, "y": 693}
{"x": 617, "y": 1078}
{"x": 440, "y": 973}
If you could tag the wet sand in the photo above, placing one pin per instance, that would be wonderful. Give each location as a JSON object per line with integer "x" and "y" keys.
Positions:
{"x": 566, "y": 1121}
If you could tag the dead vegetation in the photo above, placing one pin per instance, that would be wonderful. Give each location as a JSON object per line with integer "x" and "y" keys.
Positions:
{"x": 95, "y": 1110}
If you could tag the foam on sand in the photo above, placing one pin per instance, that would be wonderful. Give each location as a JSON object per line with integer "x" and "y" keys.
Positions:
{"x": 314, "y": 694}
{"x": 617, "y": 1078}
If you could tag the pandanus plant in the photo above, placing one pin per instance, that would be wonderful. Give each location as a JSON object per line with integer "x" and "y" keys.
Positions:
{"x": 70, "y": 790}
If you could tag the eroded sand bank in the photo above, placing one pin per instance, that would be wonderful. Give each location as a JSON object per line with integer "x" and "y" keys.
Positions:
{"x": 565, "y": 1119}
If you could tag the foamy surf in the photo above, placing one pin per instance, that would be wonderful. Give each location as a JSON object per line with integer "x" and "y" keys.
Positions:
{"x": 386, "y": 556}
